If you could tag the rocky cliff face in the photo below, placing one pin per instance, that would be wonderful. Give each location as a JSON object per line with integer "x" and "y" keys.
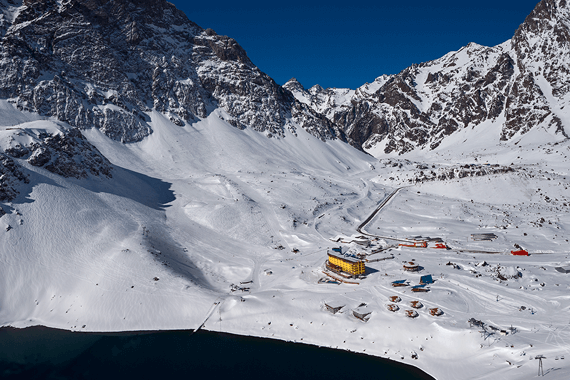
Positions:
{"x": 105, "y": 64}
{"x": 521, "y": 84}
{"x": 11, "y": 177}
{"x": 59, "y": 149}
{"x": 64, "y": 152}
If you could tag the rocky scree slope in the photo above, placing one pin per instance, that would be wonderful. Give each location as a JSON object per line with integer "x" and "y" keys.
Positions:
{"x": 520, "y": 84}
{"x": 105, "y": 64}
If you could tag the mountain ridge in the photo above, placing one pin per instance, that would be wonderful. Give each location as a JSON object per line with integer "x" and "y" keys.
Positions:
{"x": 423, "y": 104}
{"x": 106, "y": 64}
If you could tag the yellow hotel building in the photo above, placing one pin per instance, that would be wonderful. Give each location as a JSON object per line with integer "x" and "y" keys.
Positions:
{"x": 346, "y": 264}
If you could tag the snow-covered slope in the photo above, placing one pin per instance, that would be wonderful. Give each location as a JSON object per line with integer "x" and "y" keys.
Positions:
{"x": 190, "y": 211}
{"x": 165, "y": 208}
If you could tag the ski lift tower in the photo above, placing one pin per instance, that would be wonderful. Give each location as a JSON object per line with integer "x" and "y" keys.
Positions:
{"x": 540, "y": 368}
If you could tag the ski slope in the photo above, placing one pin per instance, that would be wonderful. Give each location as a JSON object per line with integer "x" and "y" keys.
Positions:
{"x": 192, "y": 210}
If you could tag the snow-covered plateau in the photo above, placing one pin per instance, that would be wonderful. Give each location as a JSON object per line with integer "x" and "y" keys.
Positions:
{"x": 153, "y": 178}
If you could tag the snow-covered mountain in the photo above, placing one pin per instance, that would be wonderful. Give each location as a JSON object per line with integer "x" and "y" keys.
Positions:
{"x": 104, "y": 64}
{"x": 151, "y": 177}
{"x": 519, "y": 85}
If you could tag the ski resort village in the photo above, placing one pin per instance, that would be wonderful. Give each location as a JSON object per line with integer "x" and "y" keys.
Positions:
{"x": 156, "y": 179}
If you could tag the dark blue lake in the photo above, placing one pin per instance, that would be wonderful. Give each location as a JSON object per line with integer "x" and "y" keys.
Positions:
{"x": 43, "y": 353}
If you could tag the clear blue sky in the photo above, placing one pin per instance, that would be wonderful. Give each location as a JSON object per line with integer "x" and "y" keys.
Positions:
{"x": 345, "y": 44}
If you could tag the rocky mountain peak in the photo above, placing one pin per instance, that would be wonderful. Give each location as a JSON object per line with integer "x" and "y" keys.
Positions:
{"x": 550, "y": 18}
{"x": 542, "y": 44}
{"x": 294, "y": 85}
{"x": 542, "y": 15}
{"x": 316, "y": 89}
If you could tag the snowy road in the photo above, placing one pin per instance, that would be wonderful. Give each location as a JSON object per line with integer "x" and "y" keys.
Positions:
{"x": 375, "y": 212}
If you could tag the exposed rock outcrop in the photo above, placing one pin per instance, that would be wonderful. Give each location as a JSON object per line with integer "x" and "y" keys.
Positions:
{"x": 11, "y": 176}
{"x": 65, "y": 152}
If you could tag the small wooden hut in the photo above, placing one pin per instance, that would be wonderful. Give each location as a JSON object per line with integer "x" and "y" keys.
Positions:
{"x": 399, "y": 283}
{"x": 435, "y": 311}
{"x": 392, "y": 307}
{"x": 411, "y": 313}
{"x": 411, "y": 267}
{"x": 362, "y": 313}
{"x": 416, "y": 304}
{"x": 427, "y": 279}
{"x": 333, "y": 307}
{"x": 420, "y": 289}
{"x": 395, "y": 299}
